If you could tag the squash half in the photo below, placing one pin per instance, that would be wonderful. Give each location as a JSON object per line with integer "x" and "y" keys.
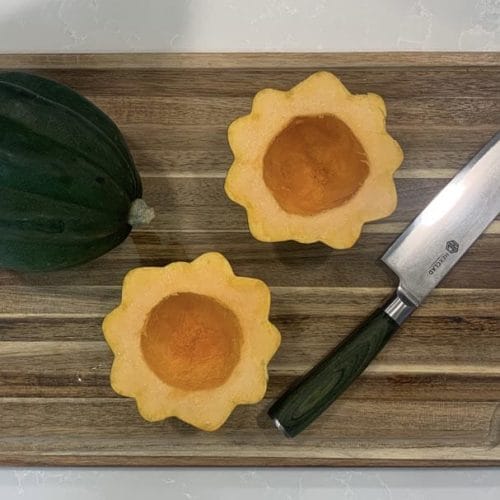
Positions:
{"x": 313, "y": 163}
{"x": 191, "y": 340}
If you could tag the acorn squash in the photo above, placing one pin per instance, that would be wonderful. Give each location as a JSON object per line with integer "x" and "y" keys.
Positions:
{"x": 313, "y": 163}
{"x": 191, "y": 340}
{"x": 69, "y": 189}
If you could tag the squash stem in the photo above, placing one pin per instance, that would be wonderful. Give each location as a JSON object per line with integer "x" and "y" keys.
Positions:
{"x": 140, "y": 213}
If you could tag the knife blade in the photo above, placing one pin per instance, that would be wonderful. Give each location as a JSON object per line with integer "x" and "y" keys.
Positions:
{"x": 421, "y": 257}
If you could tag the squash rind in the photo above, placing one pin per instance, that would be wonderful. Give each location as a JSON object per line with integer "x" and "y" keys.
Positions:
{"x": 67, "y": 178}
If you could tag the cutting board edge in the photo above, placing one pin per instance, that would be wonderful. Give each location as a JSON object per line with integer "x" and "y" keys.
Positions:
{"x": 285, "y": 60}
{"x": 234, "y": 462}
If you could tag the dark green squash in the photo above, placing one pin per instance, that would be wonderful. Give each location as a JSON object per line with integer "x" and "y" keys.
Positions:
{"x": 69, "y": 189}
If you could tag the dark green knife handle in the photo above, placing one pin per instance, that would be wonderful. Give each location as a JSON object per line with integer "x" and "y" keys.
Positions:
{"x": 304, "y": 402}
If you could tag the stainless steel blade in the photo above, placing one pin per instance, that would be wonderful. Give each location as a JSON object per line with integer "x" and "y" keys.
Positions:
{"x": 434, "y": 242}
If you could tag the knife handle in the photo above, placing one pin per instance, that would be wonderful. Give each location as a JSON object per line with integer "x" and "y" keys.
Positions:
{"x": 304, "y": 402}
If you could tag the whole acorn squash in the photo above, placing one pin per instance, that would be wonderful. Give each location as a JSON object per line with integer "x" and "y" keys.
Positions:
{"x": 69, "y": 189}
{"x": 191, "y": 340}
{"x": 313, "y": 163}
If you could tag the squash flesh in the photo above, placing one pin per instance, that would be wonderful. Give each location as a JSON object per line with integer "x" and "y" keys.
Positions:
{"x": 314, "y": 164}
{"x": 191, "y": 341}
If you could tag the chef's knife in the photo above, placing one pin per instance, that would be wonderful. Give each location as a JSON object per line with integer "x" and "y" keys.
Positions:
{"x": 424, "y": 253}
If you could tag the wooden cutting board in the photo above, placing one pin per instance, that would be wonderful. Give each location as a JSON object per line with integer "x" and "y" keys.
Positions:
{"x": 432, "y": 397}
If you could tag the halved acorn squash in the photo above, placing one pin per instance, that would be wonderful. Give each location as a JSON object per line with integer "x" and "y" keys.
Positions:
{"x": 191, "y": 340}
{"x": 313, "y": 163}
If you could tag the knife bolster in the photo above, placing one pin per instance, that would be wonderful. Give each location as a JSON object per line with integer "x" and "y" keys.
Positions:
{"x": 399, "y": 307}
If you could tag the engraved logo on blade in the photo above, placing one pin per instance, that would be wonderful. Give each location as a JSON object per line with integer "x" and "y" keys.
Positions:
{"x": 452, "y": 246}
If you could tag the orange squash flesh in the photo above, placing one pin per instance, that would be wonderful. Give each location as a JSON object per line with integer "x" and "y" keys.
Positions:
{"x": 191, "y": 341}
{"x": 314, "y": 164}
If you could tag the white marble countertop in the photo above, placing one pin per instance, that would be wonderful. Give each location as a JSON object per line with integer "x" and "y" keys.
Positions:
{"x": 239, "y": 25}
{"x": 250, "y": 484}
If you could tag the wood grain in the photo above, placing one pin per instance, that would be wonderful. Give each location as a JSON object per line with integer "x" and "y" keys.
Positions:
{"x": 248, "y": 60}
{"x": 278, "y": 264}
{"x": 432, "y": 397}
